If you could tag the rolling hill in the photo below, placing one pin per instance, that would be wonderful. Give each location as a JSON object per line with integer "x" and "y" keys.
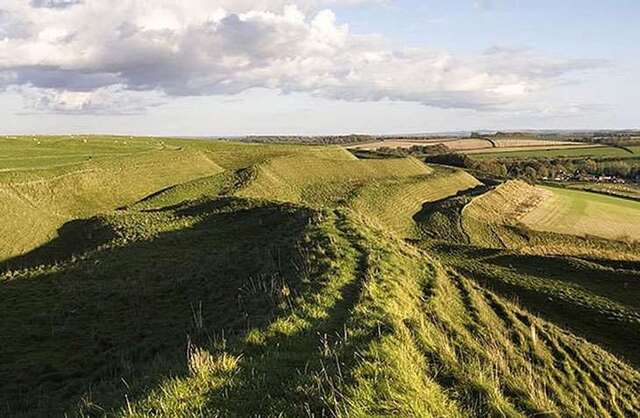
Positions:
{"x": 205, "y": 278}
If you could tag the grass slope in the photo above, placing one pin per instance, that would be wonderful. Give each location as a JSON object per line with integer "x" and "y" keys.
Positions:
{"x": 34, "y": 207}
{"x": 234, "y": 307}
{"x": 511, "y": 216}
{"x": 392, "y": 204}
{"x": 275, "y": 281}
{"x": 322, "y": 181}
{"x": 573, "y": 281}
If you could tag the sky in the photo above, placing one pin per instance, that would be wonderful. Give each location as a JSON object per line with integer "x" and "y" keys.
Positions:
{"x": 313, "y": 67}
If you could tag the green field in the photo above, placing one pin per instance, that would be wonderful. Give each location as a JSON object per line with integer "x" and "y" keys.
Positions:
{"x": 32, "y": 153}
{"x": 582, "y": 213}
{"x": 631, "y": 191}
{"x": 596, "y": 152}
{"x": 189, "y": 278}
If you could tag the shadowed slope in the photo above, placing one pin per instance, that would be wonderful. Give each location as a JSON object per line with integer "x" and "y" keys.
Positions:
{"x": 123, "y": 309}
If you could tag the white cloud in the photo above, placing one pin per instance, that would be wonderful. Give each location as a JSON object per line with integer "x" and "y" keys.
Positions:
{"x": 72, "y": 56}
{"x": 111, "y": 100}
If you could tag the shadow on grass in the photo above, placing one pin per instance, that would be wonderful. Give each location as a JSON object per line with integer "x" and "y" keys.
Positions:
{"x": 115, "y": 322}
{"x": 598, "y": 291}
{"x": 617, "y": 334}
{"x": 622, "y": 286}
{"x": 74, "y": 237}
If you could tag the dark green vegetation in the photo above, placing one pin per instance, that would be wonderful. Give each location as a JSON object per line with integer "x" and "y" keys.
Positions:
{"x": 193, "y": 278}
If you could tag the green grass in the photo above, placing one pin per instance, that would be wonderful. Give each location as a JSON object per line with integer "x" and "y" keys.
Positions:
{"x": 536, "y": 220}
{"x": 319, "y": 181}
{"x": 31, "y": 153}
{"x": 55, "y": 184}
{"x": 209, "y": 279}
{"x": 582, "y": 213}
{"x": 392, "y": 204}
{"x": 631, "y": 191}
{"x": 596, "y": 152}
{"x": 35, "y": 206}
{"x": 595, "y": 301}
{"x": 186, "y": 312}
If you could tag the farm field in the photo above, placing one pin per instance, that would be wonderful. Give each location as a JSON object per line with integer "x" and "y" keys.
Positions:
{"x": 190, "y": 278}
{"x": 477, "y": 145}
{"x": 569, "y": 152}
{"x": 454, "y": 144}
{"x": 583, "y": 213}
{"x": 512, "y": 147}
{"x": 621, "y": 190}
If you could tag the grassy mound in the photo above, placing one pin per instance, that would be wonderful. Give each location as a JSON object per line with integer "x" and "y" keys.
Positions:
{"x": 593, "y": 295}
{"x": 392, "y": 204}
{"x": 234, "y": 156}
{"x": 319, "y": 181}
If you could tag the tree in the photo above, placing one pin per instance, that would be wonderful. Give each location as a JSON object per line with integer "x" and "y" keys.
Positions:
{"x": 590, "y": 166}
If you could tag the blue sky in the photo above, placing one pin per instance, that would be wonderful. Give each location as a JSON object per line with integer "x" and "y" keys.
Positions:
{"x": 318, "y": 66}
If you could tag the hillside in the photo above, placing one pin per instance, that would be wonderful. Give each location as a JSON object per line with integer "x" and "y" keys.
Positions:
{"x": 222, "y": 279}
{"x": 540, "y": 220}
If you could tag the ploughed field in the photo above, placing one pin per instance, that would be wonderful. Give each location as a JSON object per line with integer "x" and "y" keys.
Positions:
{"x": 178, "y": 278}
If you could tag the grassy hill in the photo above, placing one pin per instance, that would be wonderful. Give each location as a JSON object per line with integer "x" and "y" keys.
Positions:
{"x": 217, "y": 279}
{"x": 37, "y": 202}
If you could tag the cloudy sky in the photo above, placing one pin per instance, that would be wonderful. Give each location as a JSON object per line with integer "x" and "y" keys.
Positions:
{"x": 235, "y": 67}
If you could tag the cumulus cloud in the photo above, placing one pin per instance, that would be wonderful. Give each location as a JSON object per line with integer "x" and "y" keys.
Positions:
{"x": 71, "y": 56}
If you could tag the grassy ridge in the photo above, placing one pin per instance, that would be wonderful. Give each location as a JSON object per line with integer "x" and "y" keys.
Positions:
{"x": 393, "y": 204}
{"x": 592, "y": 295}
{"x": 337, "y": 318}
{"x": 322, "y": 181}
{"x": 275, "y": 281}
{"x": 594, "y": 301}
{"x": 397, "y": 311}
{"x": 66, "y": 178}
